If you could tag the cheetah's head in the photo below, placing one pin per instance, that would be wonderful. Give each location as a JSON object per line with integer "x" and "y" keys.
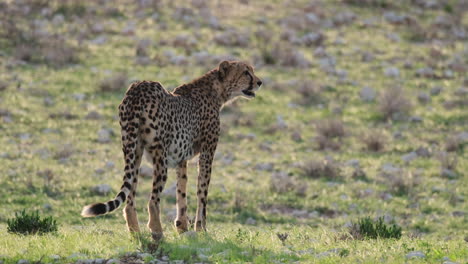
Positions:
{"x": 238, "y": 79}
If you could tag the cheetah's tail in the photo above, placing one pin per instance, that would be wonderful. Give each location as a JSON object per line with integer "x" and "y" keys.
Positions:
{"x": 107, "y": 207}
{"x": 129, "y": 121}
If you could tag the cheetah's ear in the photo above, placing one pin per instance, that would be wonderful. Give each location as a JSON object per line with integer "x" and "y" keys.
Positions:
{"x": 223, "y": 69}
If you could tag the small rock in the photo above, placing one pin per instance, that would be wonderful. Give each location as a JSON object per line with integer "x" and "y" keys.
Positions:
{"x": 264, "y": 166}
{"x": 202, "y": 256}
{"x": 386, "y": 196}
{"x": 448, "y": 74}
{"x": 367, "y": 94}
{"x": 48, "y": 101}
{"x": 462, "y": 137}
{"x": 392, "y": 72}
{"x": 367, "y": 57}
{"x": 104, "y": 136}
{"x": 462, "y": 91}
{"x": 394, "y": 18}
{"x": 352, "y": 163}
{"x": 23, "y": 261}
{"x": 54, "y": 257}
{"x": 426, "y": 72}
{"x": 110, "y": 165}
{"x": 79, "y": 96}
{"x": 93, "y": 115}
{"x": 280, "y": 123}
{"x": 84, "y": 261}
{"x": 146, "y": 171}
{"x": 345, "y": 17}
{"x": 409, "y": 157}
{"x": 249, "y": 136}
{"x": 100, "y": 171}
{"x": 170, "y": 191}
{"x": 296, "y": 136}
{"x": 458, "y": 213}
{"x": 393, "y": 37}
{"x": 424, "y": 98}
{"x": 320, "y": 52}
{"x": 76, "y": 256}
{"x": 190, "y": 233}
{"x": 99, "y": 261}
{"x": 449, "y": 174}
{"x": 312, "y": 38}
{"x": 24, "y": 136}
{"x": 449, "y": 262}
{"x": 113, "y": 261}
{"x": 250, "y": 221}
{"x": 423, "y": 152}
{"x": 388, "y": 168}
{"x": 47, "y": 206}
{"x": 102, "y": 189}
{"x": 416, "y": 119}
{"x": 415, "y": 254}
{"x": 436, "y": 90}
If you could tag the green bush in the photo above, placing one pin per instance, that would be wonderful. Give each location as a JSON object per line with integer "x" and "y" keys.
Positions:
{"x": 368, "y": 228}
{"x": 27, "y": 224}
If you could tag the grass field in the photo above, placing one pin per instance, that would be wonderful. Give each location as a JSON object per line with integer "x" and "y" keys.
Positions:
{"x": 363, "y": 112}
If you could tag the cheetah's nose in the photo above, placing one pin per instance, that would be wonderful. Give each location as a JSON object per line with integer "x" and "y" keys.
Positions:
{"x": 259, "y": 83}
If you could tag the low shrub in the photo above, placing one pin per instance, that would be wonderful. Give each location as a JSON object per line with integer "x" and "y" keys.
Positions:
{"x": 31, "y": 223}
{"x": 373, "y": 229}
{"x": 393, "y": 102}
{"x": 322, "y": 169}
{"x": 375, "y": 141}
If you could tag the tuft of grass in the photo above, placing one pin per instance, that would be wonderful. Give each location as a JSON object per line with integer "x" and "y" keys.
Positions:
{"x": 27, "y": 224}
{"x": 393, "y": 103}
{"x": 309, "y": 92}
{"x": 373, "y": 229}
{"x": 114, "y": 83}
{"x": 402, "y": 183}
{"x": 453, "y": 144}
{"x": 447, "y": 161}
{"x": 330, "y": 132}
{"x": 331, "y": 128}
{"x": 327, "y": 169}
{"x": 375, "y": 141}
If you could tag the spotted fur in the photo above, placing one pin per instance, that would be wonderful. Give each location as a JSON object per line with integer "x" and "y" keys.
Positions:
{"x": 172, "y": 128}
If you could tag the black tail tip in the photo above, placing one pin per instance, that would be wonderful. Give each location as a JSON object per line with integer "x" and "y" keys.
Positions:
{"x": 94, "y": 210}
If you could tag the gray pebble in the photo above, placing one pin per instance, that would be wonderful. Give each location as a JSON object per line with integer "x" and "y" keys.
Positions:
{"x": 415, "y": 254}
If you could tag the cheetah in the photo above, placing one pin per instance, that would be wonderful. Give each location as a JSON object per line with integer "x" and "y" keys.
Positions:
{"x": 170, "y": 128}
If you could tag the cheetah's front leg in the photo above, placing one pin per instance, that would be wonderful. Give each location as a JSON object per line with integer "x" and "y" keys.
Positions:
{"x": 204, "y": 174}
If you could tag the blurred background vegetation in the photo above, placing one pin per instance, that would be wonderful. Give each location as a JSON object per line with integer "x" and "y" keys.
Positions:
{"x": 363, "y": 112}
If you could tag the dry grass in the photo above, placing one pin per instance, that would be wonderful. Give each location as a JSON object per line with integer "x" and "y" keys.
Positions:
{"x": 375, "y": 141}
{"x": 331, "y": 128}
{"x": 447, "y": 161}
{"x": 284, "y": 55}
{"x": 393, "y": 102}
{"x": 114, "y": 83}
{"x": 328, "y": 169}
{"x": 29, "y": 41}
{"x": 402, "y": 183}
{"x": 309, "y": 92}
{"x": 453, "y": 144}
{"x": 330, "y": 133}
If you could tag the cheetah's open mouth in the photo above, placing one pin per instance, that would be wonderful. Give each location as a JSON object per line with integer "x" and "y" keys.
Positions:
{"x": 248, "y": 93}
